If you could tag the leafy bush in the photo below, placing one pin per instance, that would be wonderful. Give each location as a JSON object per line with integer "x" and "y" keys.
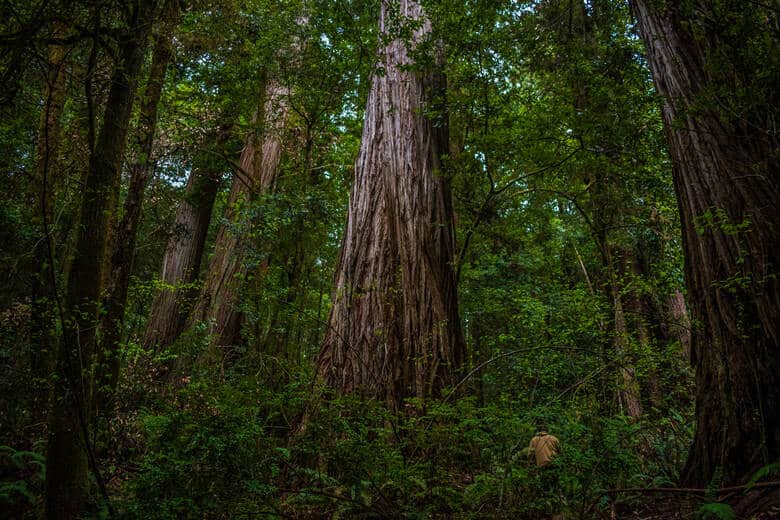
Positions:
{"x": 240, "y": 450}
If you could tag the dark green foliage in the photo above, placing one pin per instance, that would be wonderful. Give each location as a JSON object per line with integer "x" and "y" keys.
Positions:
{"x": 229, "y": 451}
{"x": 205, "y": 456}
{"x": 21, "y": 481}
{"x": 715, "y": 511}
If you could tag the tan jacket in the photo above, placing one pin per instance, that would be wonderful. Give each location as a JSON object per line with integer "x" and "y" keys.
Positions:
{"x": 543, "y": 447}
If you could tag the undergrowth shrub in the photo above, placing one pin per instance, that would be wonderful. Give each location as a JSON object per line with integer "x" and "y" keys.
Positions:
{"x": 238, "y": 449}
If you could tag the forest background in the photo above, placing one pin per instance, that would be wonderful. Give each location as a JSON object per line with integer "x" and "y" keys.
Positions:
{"x": 274, "y": 258}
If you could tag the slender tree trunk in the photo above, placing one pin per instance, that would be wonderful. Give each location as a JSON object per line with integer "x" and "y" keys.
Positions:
{"x": 615, "y": 266}
{"x": 69, "y": 449}
{"x": 628, "y": 393}
{"x": 726, "y": 175}
{"x": 678, "y": 323}
{"x": 259, "y": 164}
{"x": 394, "y": 329}
{"x": 121, "y": 260}
{"x": 644, "y": 320}
{"x": 43, "y": 306}
{"x": 184, "y": 252}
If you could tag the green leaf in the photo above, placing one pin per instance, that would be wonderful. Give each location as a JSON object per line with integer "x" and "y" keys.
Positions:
{"x": 716, "y": 511}
{"x": 766, "y": 471}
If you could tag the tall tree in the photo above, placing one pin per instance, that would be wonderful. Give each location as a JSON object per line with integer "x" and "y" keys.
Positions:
{"x": 256, "y": 174}
{"x": 69, "y": 449}
{"x": 394, "y": 329}
{"x": 184, "y": 251}
{"x": 711, "y": 62}
{"x": 121, "y": 258}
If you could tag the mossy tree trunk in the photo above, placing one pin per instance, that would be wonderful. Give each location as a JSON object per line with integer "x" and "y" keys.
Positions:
{"x": 121, "y": 258}
{"x": 69, "y": 453}
{"x": 44, "y": 188}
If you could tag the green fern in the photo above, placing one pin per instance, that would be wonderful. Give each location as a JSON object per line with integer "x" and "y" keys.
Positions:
{"x": 766, "y": 471}
{"x": 717, "y": 511}
{"x": 22, "y": 458}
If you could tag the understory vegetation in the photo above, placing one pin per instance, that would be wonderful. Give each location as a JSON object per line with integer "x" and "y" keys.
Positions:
{"x": 345, "y": 258}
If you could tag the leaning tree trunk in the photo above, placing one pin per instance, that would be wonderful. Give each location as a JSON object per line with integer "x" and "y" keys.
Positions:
{"x": 69, "y": 445}
{"x": 726, "y": 174}
{"x": 121, "y": 259}
{"x": 218, "y": 306}
{"x": 183, "y": 254}
{"x": 394, "y": 330}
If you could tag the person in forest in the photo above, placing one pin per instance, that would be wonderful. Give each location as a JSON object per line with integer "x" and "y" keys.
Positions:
{"x": 542, "y": 450}
{"x": 543, "y": 446}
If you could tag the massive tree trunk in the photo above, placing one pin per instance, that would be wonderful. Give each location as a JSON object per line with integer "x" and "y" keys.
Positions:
{"x": 183, "y": 254}
{"x": 259, "y": 164}
{"x": 394, "y": 329}
{"x": 121, "y": 259}
{"x": 725, "y": 164}
{"x": 69, "y": 445}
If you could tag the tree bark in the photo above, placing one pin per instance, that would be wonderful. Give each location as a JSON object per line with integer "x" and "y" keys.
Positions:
{"x": 259, "y": 164}
{"x": 628, "y": 386}
{"x": 69, "y": 446}
{"x": 394, "y": 330}
{"x": 678, "y": 323}
{"x": 726, "y": 174}
{"x": 628, "y": 394}
{"x": 121, "y": 259}
{"x": 184, "y": 252}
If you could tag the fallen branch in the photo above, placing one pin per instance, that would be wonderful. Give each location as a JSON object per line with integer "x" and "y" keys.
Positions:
{"x": 692, "y": 491}
{"x": 512, "y": 353}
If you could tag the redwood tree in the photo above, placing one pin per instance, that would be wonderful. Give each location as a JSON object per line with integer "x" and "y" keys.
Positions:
{"x": 184, "y": 251}
{"x": 218, "y": 304}
{"x": 710, "y": 61}
{"x": 394, "y": 330}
